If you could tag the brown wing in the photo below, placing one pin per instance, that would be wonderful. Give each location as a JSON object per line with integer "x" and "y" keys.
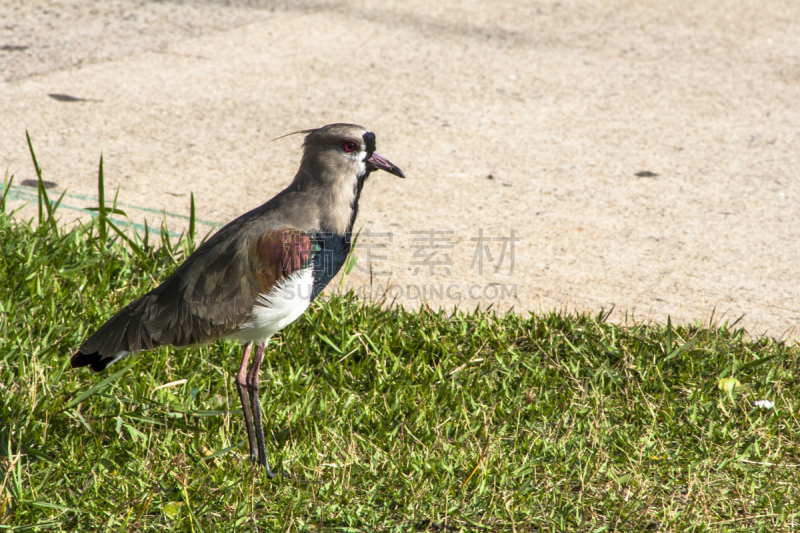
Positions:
{"x": 209, "y": 296}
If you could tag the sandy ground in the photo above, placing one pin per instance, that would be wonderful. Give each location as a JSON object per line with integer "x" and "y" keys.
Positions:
{"x": 561, "y": 103}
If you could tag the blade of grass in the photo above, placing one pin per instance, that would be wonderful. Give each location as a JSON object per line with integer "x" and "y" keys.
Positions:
{"x": 191, "y": 512}
{"x": 191, "y": 234}
{"x": 146, "y": 238}
{"x": 683, "y": 347}
{"x": 42, "y": 192}
{"x": 135, "y": 247}
{"x": 223, "y": 451}
{"x": 100, "y": 386}
{"x": 108, "y": 210}
{"x": 6, "y": 187}
{"x": 101, "y": 199}
{"x": 350, "y": 262}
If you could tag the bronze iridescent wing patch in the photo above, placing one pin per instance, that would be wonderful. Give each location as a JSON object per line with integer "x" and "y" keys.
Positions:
{"x": 277, "y": 255}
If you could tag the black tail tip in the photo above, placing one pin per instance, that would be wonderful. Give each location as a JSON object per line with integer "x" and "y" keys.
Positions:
{"x": 94, "y": 361}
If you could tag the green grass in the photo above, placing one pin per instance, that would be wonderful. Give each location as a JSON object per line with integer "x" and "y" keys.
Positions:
{"x": 389, "y": 420}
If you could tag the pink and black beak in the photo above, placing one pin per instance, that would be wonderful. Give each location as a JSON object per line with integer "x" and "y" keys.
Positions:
{"x": 378, "y": 162}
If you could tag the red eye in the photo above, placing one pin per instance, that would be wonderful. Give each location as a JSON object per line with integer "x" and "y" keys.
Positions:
{"x": 349, "y": 146}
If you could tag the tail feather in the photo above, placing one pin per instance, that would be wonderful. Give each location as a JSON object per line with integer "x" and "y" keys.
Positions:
{"x": 122, "y": 335}
{"x": 158, "y": 318}
{"x": 95, "y": 360}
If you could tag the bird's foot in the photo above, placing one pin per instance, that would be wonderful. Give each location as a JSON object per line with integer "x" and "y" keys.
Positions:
{"x": 285, "y": 475}
{"x": 254, "y": 461}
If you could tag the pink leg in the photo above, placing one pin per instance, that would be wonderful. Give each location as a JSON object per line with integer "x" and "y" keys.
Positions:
{"x": 241, "y": 385}
{"x": 253, "y": 385}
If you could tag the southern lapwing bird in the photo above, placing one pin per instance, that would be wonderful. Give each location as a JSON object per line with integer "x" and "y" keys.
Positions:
{"x": 258, "y": 274}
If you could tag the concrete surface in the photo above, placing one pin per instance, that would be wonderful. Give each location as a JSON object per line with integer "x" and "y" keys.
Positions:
{"x": 562, "y": 103}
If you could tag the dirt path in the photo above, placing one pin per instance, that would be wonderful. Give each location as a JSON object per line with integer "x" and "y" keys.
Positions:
{"x": 641, "y": 156}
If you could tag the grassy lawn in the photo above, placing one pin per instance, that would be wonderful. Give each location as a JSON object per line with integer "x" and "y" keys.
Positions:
{"x": 387, "y": 419}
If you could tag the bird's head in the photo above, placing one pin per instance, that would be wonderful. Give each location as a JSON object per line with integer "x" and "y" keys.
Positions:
{"x": 342, "y": 154}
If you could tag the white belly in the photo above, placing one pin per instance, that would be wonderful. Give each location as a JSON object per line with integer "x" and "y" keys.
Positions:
{"x": 278, "y": 308}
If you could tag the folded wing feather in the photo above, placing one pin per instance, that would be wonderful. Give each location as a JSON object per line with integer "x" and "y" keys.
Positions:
{"x": 212, "y": 295}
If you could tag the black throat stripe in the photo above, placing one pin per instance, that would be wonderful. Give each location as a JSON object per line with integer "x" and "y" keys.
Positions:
{"x": 369, "y": 143}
